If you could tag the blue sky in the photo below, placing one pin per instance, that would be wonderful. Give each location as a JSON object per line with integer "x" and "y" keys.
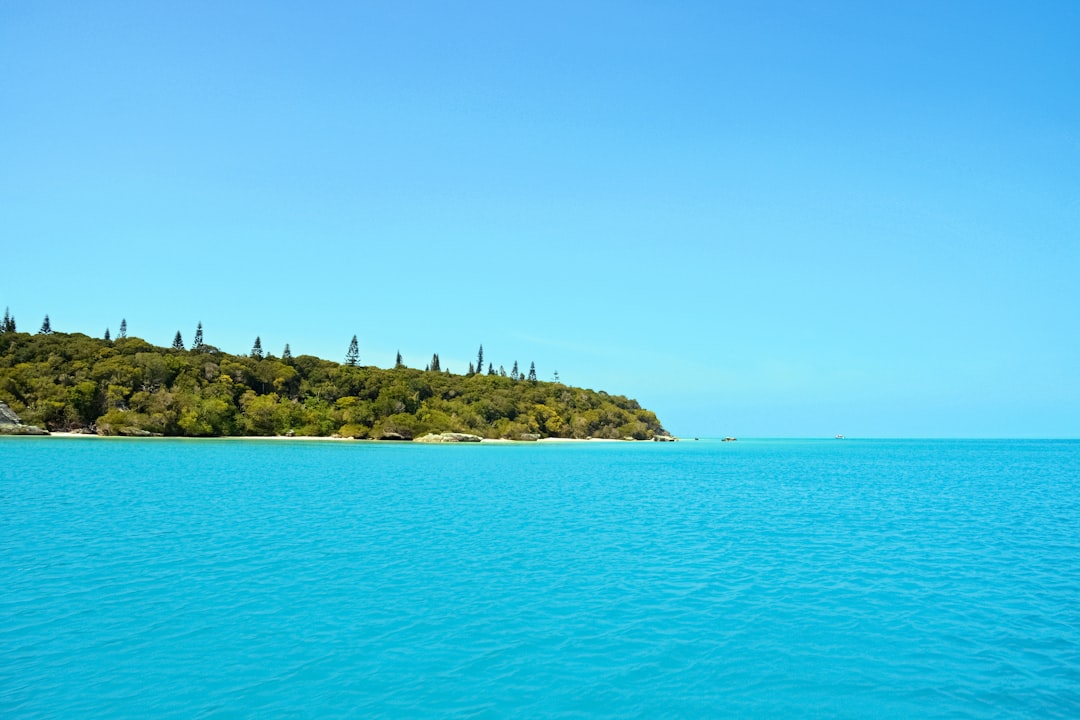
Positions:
{"x": 759, "y": 219}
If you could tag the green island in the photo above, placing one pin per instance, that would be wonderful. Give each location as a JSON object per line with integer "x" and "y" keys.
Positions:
{"x": 70, "y": 382}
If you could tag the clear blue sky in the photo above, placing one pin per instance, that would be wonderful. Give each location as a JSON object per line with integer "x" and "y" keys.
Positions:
{"x": 759, "y": 219}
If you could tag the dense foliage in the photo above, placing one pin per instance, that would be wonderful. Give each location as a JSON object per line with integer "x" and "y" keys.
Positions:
{"x": 66, "y": 381}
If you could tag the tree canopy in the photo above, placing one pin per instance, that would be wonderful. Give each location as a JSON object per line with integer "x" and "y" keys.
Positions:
{"x": 66, "y": 381}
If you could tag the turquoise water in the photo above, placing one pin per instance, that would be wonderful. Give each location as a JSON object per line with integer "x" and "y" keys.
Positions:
{"x": 884, "y": 579}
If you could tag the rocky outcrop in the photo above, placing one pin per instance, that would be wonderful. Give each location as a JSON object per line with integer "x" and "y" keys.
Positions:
{"x": 665, "y": 438}
{"x": 449, "y": 437}
{"x": 136, "y": 432}
{"x": 393, "y": 436}
{"x": 22, "y": 430}
{"x": 12, "y": 424}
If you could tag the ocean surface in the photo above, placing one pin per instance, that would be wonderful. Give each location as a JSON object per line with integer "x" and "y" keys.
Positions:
{"x": 819, "y": 578}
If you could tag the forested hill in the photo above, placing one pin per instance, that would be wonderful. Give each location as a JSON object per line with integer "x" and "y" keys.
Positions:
{"x": 127, "y": 386}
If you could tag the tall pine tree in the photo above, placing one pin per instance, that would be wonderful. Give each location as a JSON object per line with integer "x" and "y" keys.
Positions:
{"x": 123, "y": 328}
{"x": 435, "y": 363}
{"x": 9, "y": 322}
{"x": 514, "y": 374}
{"x": 286, "y": 354}
{"x": 480, "y": 359}
{"x": 46, "y": 327}
{"x": 107, "y": 338}
{"x": 178, "y": 342}
{"x": 532, "y": 372}
{"x": 398, "y": 363}
{"x": 197, "y": 345}
{"x": 256, "y": 349}
{"x": 352, "y": 356}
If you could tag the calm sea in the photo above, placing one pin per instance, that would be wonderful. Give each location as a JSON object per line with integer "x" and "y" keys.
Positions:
{"x": 223, "y": 578}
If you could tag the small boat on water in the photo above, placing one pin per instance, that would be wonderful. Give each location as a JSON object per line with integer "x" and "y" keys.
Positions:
{"x": 839, "y": 437}
{"x": 729, "y": 439}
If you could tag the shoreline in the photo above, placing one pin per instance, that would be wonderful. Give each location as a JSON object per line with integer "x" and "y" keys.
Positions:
{"x": 326, "y": 438}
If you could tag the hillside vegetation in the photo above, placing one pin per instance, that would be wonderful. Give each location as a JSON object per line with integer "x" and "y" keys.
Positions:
{"x": 127, "y": 386}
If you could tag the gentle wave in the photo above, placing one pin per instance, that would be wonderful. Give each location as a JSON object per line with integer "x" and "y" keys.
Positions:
{"x": 754, "y": 579}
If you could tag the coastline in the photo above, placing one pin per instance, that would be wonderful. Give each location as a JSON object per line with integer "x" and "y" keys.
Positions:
{"x": 324, "y": 438}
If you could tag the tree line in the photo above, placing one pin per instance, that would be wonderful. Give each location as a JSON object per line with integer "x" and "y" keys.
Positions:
{"x": 126, "y": 386}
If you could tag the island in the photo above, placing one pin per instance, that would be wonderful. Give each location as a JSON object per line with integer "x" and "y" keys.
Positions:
{"x": 71, "y": 382}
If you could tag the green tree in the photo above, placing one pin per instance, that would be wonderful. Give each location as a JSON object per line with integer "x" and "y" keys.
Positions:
{"x": 286, "y": 354}
{"x": 352, "y": 355}
{"x": 65, "y": 381}
{"x": 107, "y": 337}
{"x": 256, "y": 349}
{"x": 178, "y": 342}
{"x": 398, "y": 363}
{"x": 123, "y": 328}
{"x": 83, "y": 397}
{"x": 491, "y": 369}
{"x": 198, "y": 344}
{"x": 514, "y": 374}
{"x": 532, "y": 372}
{"x": 46, "y": 327}
{"x": 472, "y": 370}
{"x": 480, "y": 359}
{"x": 9, "y": 322}
{"x": 435, "y": 363}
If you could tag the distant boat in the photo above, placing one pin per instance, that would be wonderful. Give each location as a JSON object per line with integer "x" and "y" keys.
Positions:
{"x": 839, "y": 437}
{"x": 729, "y": 439}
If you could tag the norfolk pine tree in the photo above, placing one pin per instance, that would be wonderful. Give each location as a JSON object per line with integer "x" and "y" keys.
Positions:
{"x": 256, "y": 349}
{"x": 352, "y": 356}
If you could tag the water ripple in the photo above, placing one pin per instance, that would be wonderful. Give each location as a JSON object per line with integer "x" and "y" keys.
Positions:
{"x": 855, "y": 579}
